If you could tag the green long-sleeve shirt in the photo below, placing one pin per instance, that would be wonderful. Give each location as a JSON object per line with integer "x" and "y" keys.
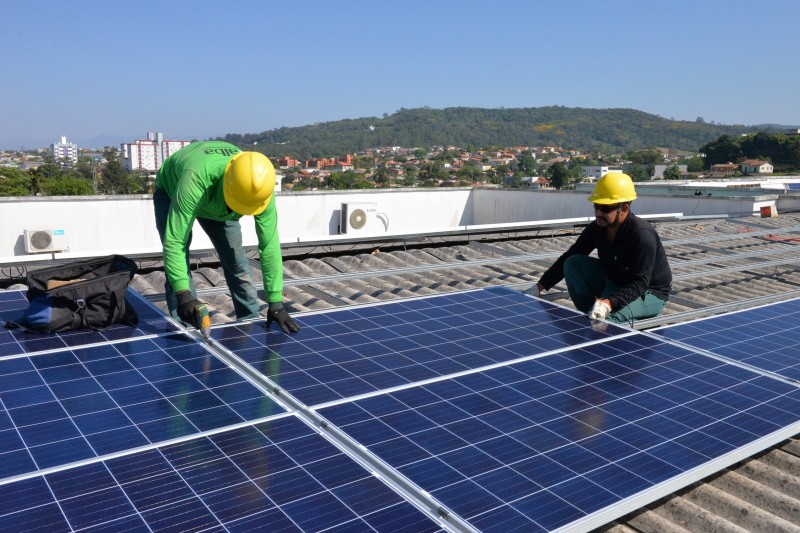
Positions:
{"x": 192, "y": 177}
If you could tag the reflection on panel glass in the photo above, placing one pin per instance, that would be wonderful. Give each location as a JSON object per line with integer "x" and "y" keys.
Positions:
{"x": 543, "y": 443}
{"x": 80, "y": 403}
{"x": 275, "y": 476}
{"x": 345, "y": 353}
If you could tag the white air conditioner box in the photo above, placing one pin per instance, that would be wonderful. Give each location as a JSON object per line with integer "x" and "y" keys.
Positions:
{"x": 359, "y": 218}
{"x": 45, "y": 240}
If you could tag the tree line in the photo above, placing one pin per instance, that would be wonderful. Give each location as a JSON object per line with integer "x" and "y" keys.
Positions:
{"x": 89, "y": 177}
{"x": 85, "y": 178}
{"x": 609, "y": 131}
{"x": 781, "y": 150}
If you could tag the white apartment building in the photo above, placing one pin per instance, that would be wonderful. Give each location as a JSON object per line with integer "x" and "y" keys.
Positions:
{"x": 148, "y": 154}
{"x": 596, "y": 172}
{"x": 64, "y": 152}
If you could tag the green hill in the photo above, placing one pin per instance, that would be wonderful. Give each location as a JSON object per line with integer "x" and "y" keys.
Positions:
{"x": 605, "y": 130}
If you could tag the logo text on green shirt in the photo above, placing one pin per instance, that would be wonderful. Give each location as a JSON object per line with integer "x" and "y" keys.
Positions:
{"x": 221, "y": 151}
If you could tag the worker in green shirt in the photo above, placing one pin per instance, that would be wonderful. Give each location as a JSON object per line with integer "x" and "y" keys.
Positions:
{"x": 216, "y": 184}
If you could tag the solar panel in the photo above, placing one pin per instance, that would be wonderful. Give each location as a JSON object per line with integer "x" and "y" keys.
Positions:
{"x": 345, "y": 353}
{"x": 11, "y": 300}
{"x": 78, "y": 403}
{"x": 555, "y": 441}
{"x": 766, "y": 338}
{"x": 19, "y": 341}
{"x": 489, "y": 409}
{"x": 278, "y": 475}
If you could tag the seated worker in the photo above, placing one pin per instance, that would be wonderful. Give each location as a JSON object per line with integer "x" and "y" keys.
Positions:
{"x": 216, "y": 184}
{"x": 630, "y": 278}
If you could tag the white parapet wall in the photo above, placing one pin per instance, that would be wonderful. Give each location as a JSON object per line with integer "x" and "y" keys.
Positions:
{"x": 88, "y": 226}
{"x": 493, "y": 206}
{"x": 100, "y": 225}
{"x": 313, "y": 215}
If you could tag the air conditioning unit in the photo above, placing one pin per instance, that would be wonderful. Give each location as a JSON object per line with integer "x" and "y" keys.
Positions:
{"x": 45, "y": 240}
{"x": 359, "y": 218}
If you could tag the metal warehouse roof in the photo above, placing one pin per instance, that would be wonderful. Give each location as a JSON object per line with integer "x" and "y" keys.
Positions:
{"x": 719, "y": 265}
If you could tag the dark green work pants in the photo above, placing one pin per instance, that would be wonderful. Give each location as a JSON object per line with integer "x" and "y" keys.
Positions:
{"x": 587, "y": 280}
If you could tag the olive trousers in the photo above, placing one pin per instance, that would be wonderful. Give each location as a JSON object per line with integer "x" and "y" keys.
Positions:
{"x": 587, "y": 280}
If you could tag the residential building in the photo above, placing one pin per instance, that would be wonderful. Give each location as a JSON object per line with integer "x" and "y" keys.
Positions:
{"x": 64, "y": 152}
{"x": 596, "y": 172}
{"x": 287, "y": 162}
{"x": 339, "y": 166}
{"x": 148, "y": 154}
{"x": 725, "y": 168}
{"x": 535, "y": 182}
{"x": 499, "y": 161}
{"x": 331, "y": 164}
{"x": 756, "y": 166}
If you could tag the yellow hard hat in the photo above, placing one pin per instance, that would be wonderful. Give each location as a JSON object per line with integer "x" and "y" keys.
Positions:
{"x": 248, "y": 183}
{"x": 613, "y": 188}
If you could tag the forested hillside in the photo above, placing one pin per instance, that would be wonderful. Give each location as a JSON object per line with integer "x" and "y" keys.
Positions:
{"x": 605, "y": 130}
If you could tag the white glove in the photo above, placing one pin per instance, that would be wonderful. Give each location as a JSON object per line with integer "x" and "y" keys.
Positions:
{"x": 600, "y": 310}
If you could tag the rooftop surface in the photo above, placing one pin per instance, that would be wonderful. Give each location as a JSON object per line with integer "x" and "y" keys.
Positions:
{"x": 719, "y": 265}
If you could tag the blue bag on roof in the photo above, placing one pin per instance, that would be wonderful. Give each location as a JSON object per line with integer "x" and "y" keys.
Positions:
{"x": 83, "y": 295}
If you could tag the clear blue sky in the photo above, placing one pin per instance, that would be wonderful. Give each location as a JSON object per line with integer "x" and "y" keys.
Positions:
{"x": 197, "y": 69}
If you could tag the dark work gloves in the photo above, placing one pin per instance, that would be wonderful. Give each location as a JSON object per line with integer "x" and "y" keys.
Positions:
{"x": 186, "y": 306}
{"x": 281, "y": 316}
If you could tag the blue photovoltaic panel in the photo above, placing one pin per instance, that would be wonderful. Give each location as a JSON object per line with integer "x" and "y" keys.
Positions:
{"x": 793, "y": 186}
{"x": 276, "y": 476}
{"x": 79, "y": 403}
{"x": 346, "y": 353}
{"x": 12, "y": 304}
{"x": 599, "y": 418}
{"x": 19, "y": 341}
{"x": 766, "y": 337}
{"x": 541, "y": 444}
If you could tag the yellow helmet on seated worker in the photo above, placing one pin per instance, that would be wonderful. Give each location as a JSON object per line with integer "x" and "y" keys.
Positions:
{"x": 613, "y": 188}
{"x": 248, "y": 183}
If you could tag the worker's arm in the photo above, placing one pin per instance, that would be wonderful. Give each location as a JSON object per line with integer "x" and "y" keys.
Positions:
{"x": 269, "y": 255}
{"x": 583, "y": 246}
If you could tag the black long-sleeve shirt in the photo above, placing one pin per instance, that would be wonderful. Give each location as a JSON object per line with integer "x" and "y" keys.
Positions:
{"x": 635, "y": 260}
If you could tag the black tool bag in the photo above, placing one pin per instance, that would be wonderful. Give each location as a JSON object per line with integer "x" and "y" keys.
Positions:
{"x": 88, "y": 294}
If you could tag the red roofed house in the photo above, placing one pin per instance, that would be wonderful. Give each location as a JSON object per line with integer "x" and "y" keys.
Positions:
{"x": 725, "y": 168}
{"x": 756, "y": 166}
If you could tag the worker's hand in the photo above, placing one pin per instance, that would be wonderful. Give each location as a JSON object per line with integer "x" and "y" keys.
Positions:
{"x": 600, "y": 309}
{"x": 540, "y": 288}
{"x": 281, "y": 316}
{"x": 186, "y": 305}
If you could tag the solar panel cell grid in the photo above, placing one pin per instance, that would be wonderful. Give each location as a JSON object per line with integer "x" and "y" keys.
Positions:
{"x": 81, "y": 403}
{"x": 556, "y": 430}
{"x": 767, "y": 338}
{"x": 279, "y": 474}
{"x": 433, "y": 387}
{"x": 347, "y": 353}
